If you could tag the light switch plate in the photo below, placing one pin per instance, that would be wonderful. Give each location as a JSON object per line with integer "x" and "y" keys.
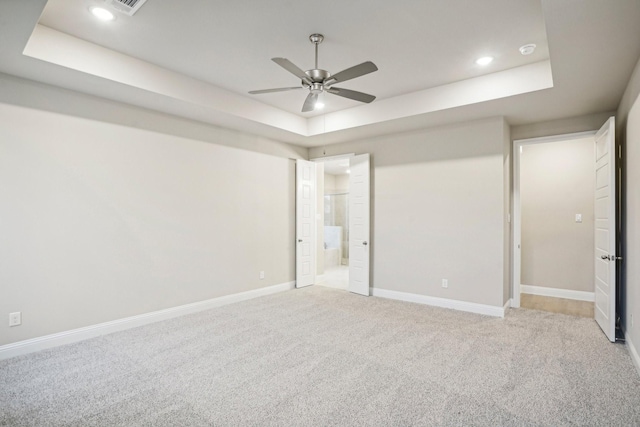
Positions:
{"x": 578, "y": 217}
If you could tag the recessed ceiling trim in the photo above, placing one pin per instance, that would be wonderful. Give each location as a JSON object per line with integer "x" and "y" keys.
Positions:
{"x": 516, "y": 81}
{"x": 62, "y": 49}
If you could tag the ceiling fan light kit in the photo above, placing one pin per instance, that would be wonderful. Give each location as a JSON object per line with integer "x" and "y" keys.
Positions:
{"x": 317, "y": 81}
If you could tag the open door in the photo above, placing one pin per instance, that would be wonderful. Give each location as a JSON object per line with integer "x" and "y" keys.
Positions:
{"x": 306, "y": 188}
{"x": 605, "y": 230}
{"x": 359, "y": 247}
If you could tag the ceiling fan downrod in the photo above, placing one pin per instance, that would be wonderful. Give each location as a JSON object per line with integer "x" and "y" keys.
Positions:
{"x": 316, "y": 39}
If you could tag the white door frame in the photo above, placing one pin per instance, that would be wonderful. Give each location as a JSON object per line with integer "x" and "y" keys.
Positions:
{"x": 517, "y": 213}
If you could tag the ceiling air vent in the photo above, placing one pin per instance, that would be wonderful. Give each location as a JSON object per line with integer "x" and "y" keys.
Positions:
{"x": 127, "y": 6}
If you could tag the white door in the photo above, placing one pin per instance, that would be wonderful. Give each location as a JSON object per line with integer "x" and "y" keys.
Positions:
{"x": 605, "y": 230}
{"x": 305, "y": 223}
{"x": 359, "y": 247}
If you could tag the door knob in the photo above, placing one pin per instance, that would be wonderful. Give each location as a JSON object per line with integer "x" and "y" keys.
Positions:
{"x": 604, "y": 256}
{"x": 364, "y": 243}
{"x": 299, "y": 240}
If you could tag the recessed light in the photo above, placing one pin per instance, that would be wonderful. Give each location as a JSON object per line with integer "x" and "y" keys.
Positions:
{"x": 485, "y": 60}
{"x": 527, "y": 49}
{"x": 102, "y": 14}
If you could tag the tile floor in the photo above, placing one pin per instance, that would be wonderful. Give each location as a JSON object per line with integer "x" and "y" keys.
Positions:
{"x": 336, "y": 277}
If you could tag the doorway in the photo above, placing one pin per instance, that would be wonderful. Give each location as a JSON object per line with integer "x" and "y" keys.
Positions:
{"x": 347, "y": 227}
{"x": 335, "y": 228}
{"x": 554, "y": 224}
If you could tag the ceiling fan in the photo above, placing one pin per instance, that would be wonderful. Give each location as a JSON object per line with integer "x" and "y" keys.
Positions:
{"x": 318, "y": 81}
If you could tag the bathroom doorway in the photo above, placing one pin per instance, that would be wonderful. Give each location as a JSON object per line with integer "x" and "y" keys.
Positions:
{"x": 335, "y": 229}
{"x": 343, "y": 239}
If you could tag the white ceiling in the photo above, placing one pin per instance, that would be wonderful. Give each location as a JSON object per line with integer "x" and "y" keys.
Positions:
{"x": 199, "y": 62}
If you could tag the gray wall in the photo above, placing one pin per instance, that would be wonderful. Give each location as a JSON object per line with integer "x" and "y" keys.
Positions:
{"x": 561, "y": 126}
{"x": 101, "y": 221}
{"x": 632, "y": 255}
{"x": 556, "y": 183}
{"x": 507, "y": 177}
{"x": 628, "y": 127}
{"x": 438, "y": 204}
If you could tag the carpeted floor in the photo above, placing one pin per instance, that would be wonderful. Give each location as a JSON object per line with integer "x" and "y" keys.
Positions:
{"x": 323, "y": 357}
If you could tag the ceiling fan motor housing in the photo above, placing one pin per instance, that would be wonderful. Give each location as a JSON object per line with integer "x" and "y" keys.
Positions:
{"x": 318, "y": 76}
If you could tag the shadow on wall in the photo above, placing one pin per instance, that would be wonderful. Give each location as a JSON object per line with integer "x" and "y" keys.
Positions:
{"x": 452, "y": 142}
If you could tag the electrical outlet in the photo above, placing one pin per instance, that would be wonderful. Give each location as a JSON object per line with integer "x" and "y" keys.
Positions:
{"x": 15, "y": 319}
{"x": 445, "y": 283}
{"x": 261, "y": 275}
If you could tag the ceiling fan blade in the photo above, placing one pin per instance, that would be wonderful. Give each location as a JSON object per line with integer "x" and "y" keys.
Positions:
{"x": 310, "y": 102}
{"x": 280, "y": 89}
{"x": 352, "y": 73}
{"x": 351, "y": 94}
{"x": 293, "y": 69}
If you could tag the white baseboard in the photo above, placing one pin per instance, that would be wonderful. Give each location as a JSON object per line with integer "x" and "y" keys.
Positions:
{"x": 488, "y": 310}
{"x": 558, "y": 293}
{"x": 319, "y": 279}
{"x": 634, "y": 353}
{"x": 75, "y": 335}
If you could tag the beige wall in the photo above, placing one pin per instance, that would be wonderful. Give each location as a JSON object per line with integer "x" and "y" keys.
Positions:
{"x": 628, "y": 126}
{"x": 329, "y": 183}
{"x": 632, "y": 252}
{"x": 30, "y": 94}
{"x": 561, "y": 126}
{"x": 102, "y": 221}
{"x": 438, "y": 204}
{"x": 556, "y": 183}
{"x": 336, "y": 183}
{"x": 342, "y": 183}
{"x": 507, "y": 178}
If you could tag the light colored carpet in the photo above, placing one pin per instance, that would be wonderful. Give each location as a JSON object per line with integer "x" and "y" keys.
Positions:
{"x": 322, "y": 357}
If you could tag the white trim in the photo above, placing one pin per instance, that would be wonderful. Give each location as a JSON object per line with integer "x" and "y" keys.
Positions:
{"x": 558, "y": 293}
{"x": 75, "y": 335}
{"x": 555, "y": 138}
{"x": 632, "y": 351}
{"x": 319, "y": 279}
{"x": 516, "y": 262}
{"x": 516, "y": 259}
{"x": 472, "y": 307}
{"x": 330, "y": 158}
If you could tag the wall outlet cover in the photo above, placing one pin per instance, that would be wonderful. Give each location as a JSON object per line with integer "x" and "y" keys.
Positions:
{"x": 15, "y": 319}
